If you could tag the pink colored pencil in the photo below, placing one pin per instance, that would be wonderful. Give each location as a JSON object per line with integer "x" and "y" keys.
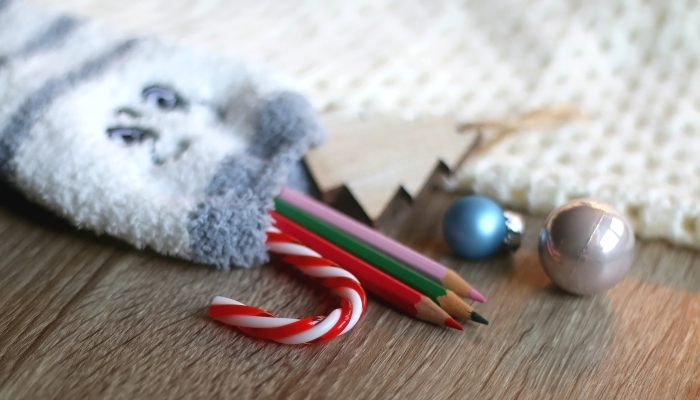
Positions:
{"x": 383, "y": 243}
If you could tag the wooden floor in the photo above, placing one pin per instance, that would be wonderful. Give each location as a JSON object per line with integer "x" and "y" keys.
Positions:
{"x": 91, "y": 317}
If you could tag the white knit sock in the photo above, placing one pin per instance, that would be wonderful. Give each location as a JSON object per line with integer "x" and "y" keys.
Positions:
{"x": 158, "y": 145}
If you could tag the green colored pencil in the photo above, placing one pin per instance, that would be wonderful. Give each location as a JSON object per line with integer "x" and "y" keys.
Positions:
{"x": 446, "y": 299}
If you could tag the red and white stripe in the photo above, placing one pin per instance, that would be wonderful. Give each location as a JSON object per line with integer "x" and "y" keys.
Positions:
{"x": 261, "y": 324}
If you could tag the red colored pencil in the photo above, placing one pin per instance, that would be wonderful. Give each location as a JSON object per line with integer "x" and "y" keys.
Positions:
{"x": 372, "y": 279}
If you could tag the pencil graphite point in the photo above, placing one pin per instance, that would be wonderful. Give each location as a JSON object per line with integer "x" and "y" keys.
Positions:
{"x": 476, "y": 317}
{"x": 453, "y": 324}
{"x": 476, "y": 296}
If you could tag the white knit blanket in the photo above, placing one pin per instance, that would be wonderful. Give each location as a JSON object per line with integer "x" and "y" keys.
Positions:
{"x": 630, "y": 66}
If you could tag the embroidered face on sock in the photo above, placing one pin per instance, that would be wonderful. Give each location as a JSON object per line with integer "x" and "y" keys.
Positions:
{"x": 152, "y": 122}
{"x": 168, "y": 109}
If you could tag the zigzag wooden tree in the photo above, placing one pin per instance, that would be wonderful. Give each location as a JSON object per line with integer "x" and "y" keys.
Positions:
{"x": 376, "y": 157}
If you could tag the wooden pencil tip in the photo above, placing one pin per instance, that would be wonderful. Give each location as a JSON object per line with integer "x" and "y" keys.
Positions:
{"x": 427, "y": 310}
{"x": 455, "y": 306}
{"x": 476, "y": 317}
{"x": 450, "y": 322}
{"x": 455, "y": 283}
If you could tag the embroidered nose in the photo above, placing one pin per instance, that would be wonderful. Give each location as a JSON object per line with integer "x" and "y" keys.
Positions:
{"x": 130, "y": 112}
{"x": 163, "y": 152}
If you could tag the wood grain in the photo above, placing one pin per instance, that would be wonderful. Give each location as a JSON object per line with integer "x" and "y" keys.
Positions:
{"x": 91, "y": 317}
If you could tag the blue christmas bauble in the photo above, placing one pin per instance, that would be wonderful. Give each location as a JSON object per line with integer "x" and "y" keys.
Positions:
{"x": 474, "y": 227}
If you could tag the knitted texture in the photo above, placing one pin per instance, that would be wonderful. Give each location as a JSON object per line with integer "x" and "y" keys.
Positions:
{"x": 159, "y": 145}
{"x": 630, "y": 66}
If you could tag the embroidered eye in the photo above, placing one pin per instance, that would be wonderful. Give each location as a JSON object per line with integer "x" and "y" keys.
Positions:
{"x": 162, "y": 97}
{"x": 130, "y": 135}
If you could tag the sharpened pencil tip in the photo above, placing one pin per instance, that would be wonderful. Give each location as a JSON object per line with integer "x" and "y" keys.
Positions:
{"x": 476, "y": 296}
{"x": 453, "y": 324}
{"x": 476, "y": 317}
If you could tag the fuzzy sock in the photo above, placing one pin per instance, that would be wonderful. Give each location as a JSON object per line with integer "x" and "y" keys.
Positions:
{"x": 158, "y": 145}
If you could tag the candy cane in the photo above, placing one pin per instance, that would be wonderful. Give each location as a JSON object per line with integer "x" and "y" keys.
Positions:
{"x": 261, "y": 324}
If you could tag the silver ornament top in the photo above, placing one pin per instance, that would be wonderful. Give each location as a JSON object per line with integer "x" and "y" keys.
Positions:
{"x": 516, "y": 226}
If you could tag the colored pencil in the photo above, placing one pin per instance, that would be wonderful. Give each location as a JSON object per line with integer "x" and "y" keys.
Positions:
{"x": 445, "y": 298}
{"x": 372, "y": 279}
{"x": 385, "y": 244}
